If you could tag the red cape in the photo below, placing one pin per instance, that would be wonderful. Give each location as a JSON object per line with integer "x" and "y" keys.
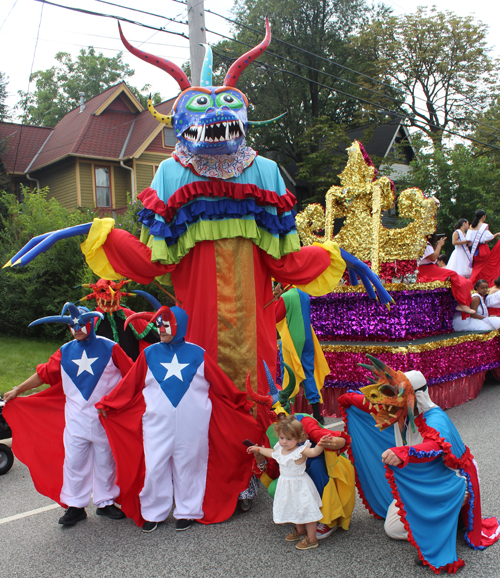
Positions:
{"x": 229, "y": 466}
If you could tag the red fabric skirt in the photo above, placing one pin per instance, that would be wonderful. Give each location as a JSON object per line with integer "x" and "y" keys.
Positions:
{"x": 460, "y": 286}
{"x": 486, "y": 264}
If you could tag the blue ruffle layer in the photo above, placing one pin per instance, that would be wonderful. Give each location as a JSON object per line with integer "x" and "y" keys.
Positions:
{"x": 203, "y": 210}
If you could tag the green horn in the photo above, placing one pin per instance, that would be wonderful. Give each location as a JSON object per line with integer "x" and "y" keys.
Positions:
{"x": 377, "y": 363}
{"x": 260, "y": 123}
{"x": 291, "y": 382}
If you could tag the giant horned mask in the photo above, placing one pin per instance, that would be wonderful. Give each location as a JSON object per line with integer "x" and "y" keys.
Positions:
{"x": 208, "y": 120}
{"x": 392, "y": 395}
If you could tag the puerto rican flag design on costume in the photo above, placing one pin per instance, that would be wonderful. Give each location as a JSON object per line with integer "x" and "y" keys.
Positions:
{"x": 45, "y": 424}
{"x": 175, "y": 430}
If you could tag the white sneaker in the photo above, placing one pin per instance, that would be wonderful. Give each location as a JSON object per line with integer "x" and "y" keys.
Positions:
{"x": 323, "y": 531}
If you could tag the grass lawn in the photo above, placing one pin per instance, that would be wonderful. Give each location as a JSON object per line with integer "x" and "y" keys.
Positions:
{"x": 19, "y": 358}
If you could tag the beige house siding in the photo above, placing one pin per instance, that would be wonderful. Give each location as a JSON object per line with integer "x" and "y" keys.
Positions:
{"x": 144, "y": 175}
{"x": 61, "y": 180}
{"x": 121, "y": 186}
{"x": 87, "y": 185}
{"x": 152, "y": 158}
{"x": 145, "y": 169}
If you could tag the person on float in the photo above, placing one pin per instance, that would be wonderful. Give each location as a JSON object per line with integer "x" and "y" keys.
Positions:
{"x": 428, "y": 271}
{"x": 485, "y": 264}
{"x": 442, "y": 260}
{"x": 168, "y": 422}
{"x": 427, "y": 478}
{"x": 481, "y": 320}
{"x": 108, "y": 295}
{"x": 217, "y": 223}
{"x": 299, "y": 346}
{"x": 57, "y": 432}
{"x": 331, "y": 472}
{"x": 493, "y": 298}
{"x": 460, "y": 259}
{"x": 296, "y": 499}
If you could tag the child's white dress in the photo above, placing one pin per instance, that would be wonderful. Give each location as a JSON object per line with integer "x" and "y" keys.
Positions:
{"x": 296, "y": 500}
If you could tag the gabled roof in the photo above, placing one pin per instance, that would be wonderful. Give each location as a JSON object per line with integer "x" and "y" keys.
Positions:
{"x": 22, "y": 144}
{"x": 382, "y": 139}
{"x": 84, "y": 133}
{"x": 144, "y": 130}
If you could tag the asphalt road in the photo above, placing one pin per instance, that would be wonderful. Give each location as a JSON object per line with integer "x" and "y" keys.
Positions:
{"x": 247, "y": 545}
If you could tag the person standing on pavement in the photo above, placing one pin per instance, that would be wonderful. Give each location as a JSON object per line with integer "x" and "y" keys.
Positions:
{"x": 57, "y": 432}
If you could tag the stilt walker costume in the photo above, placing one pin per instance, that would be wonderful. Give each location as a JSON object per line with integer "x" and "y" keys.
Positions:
{"x": 421, "y": 499}
{"x": 164, "y": 421}
{"x": 57, "y": 432}
{"x": 217, "y": 222}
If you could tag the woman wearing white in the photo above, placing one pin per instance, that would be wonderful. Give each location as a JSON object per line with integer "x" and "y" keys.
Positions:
{"x": 485, "y": 263}
{"x": 460, "y": 258}
{"x": 479, "y": 321}
{"x": 493, "y": 298}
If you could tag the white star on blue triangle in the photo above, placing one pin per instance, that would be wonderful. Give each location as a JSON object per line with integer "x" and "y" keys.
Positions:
{"x": 85, "y": 363}
{"x": 174, "y": 368}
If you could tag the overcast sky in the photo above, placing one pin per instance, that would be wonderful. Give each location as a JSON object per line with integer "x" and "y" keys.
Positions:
{"x": 63, "y": 30}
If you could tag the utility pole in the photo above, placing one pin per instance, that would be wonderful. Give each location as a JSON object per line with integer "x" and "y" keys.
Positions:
{"x": 197, "y": 36}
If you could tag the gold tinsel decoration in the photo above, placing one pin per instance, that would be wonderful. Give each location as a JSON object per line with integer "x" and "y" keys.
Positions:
{"x": 377, "y": 349}
{"x": 361, "y": 200}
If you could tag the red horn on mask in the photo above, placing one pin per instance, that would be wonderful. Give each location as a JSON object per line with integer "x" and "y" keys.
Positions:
{"x": 166, "y": 65}
{"x": 233, "y": 74}
{"x": 266, "y": 400}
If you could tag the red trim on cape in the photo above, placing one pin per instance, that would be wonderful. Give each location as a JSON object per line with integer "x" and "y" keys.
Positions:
{"x": 450, "y": 568}
{"x": 218, "y": 189}
{"x": 343, "y": 399}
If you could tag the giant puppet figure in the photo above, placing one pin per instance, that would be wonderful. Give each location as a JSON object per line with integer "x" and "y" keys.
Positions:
{"x": 217, "y": 224}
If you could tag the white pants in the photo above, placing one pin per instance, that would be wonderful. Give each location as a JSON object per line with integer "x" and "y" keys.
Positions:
{"x": 88, "y": 464}
{"x": 393, "y": 525}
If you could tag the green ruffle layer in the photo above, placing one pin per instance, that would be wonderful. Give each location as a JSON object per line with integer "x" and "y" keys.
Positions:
{"x": 276, "y": 247}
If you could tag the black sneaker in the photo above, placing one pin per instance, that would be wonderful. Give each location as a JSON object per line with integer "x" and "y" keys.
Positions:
{"x": 111, "y": 512}
{"x": 72, "y": 516}
{"x": 183, "y": 524}
{"x": 149, "y": 527}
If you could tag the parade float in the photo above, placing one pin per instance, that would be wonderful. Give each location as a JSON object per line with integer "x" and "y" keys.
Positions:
{"x": 416, "y": 330}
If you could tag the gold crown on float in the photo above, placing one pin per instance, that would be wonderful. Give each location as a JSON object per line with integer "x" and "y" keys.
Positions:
{"x": 361, "y": 200}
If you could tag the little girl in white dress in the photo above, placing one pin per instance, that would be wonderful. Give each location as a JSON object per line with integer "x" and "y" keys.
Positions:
{"x": 296, "y": 499}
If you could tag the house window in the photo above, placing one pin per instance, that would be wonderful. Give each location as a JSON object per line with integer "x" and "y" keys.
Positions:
{"x": 169, "y": 138}
{"x": 103, "y": 186}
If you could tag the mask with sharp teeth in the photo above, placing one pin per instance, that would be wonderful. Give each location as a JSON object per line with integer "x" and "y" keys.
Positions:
{"x": 392, "y": 395}
{"x": 208, "y": 120}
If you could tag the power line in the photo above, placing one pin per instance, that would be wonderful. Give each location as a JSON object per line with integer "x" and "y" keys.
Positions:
{"x": 375, "y": 105}
{"x": 239, "y": 24}
{"x": 13, "y": 6}
{"x": 140, "y": 11}
{"x": 113, "y": 16}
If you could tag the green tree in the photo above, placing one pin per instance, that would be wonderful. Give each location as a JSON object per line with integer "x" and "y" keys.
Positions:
{"x": 317, "y": 116}
{"x": 57, "y": 88}
{"x": 463, "y": 181}
{"x": 440, "y": 62}
{"x": 41, "y": 288}
{"x": 4, "y": 111}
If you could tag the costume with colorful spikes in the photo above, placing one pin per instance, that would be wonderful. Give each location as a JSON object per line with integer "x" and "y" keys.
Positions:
{"x": 57, "y": 432}
{"x": 132, "y": 338}
{"x": 332, "y": 473}
{"x": 436, "y": 480}
{"x": 178, "y": 413}
{"x": 218, "y": 222}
